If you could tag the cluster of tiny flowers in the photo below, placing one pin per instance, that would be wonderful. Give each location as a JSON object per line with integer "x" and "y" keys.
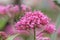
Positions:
{"x": 2, "y": 10}
{"x": 50, "y": 28}
{"x": 25, "y": 8}
{"x": 3, "y": 35}
{"x": 9, "y": 8}
{"x": 13, "y": 8}
{"x": 36, "y": 19}
{"x": 32, "y": 20}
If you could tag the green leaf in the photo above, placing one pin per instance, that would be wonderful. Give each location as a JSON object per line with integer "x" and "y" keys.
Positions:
{"x": 57, "y": 2}
{"x": 12, "y": 37}
{"x": 3, "y": 22}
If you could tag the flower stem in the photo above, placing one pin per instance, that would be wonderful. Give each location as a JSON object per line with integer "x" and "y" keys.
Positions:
{"x": 34, "y": 34}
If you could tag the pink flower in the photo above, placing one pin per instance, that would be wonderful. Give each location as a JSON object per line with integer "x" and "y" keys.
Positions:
{"x": 31, "y": 20}
{"x": 24, "y": 7}
{"x": 50, "y": 28}
{"x": 3, "y": 35}
{"x": 15, "y": 9}
{"x": 10, "y": 30}
{"x": 8, "y": 8}
{"x": 2, "y": 9}
{"x": 11, "y": 10}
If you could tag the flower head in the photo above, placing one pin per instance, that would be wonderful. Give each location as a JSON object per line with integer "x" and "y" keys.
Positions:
{"x": 31, "y": 20}
{"x": 50, "y": 28}
{"x": 24, "y": 7}
{"x": 13, "y": 9}
{"x": 3, "y": 35}
{"x": 2, "y": 9}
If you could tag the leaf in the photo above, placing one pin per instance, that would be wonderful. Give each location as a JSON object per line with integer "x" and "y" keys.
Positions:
{"x": 54, "y": 35}
{"x": 3, "y": 22}
{"x": 57, "y": 2}
{"x": 12, "y": 37}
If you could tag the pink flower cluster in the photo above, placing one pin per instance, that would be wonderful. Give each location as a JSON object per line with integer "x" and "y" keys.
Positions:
{"x": 9, "y": 8}
{"x": 50, "y": 28}
{"x": 24, "y": 7}
{"x": 35, "y": 19}
{"x": 13, "y": 9}
{"x": 31, "y": 20}
{"x": 2, "y": 10}
{"x": 3, "y": 34}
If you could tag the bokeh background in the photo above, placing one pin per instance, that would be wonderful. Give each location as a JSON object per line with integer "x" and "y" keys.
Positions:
{"x": 47, "y": 6}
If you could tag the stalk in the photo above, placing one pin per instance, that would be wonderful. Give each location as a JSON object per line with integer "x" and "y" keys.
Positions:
{"x": 34, "y": 34}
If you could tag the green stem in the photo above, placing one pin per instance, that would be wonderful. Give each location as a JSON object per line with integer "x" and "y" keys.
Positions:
{"x": 34, "y": 34}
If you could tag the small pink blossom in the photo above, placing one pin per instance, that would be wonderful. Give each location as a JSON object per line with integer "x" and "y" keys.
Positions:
{"x": 3, "y": 35}
{"x": 2, "y": 9}
{"x": 50, "y": 28}
{"x": 24, "y": 7}
{"x": 15, "y": 9}
{"x": 10, "y": 30}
